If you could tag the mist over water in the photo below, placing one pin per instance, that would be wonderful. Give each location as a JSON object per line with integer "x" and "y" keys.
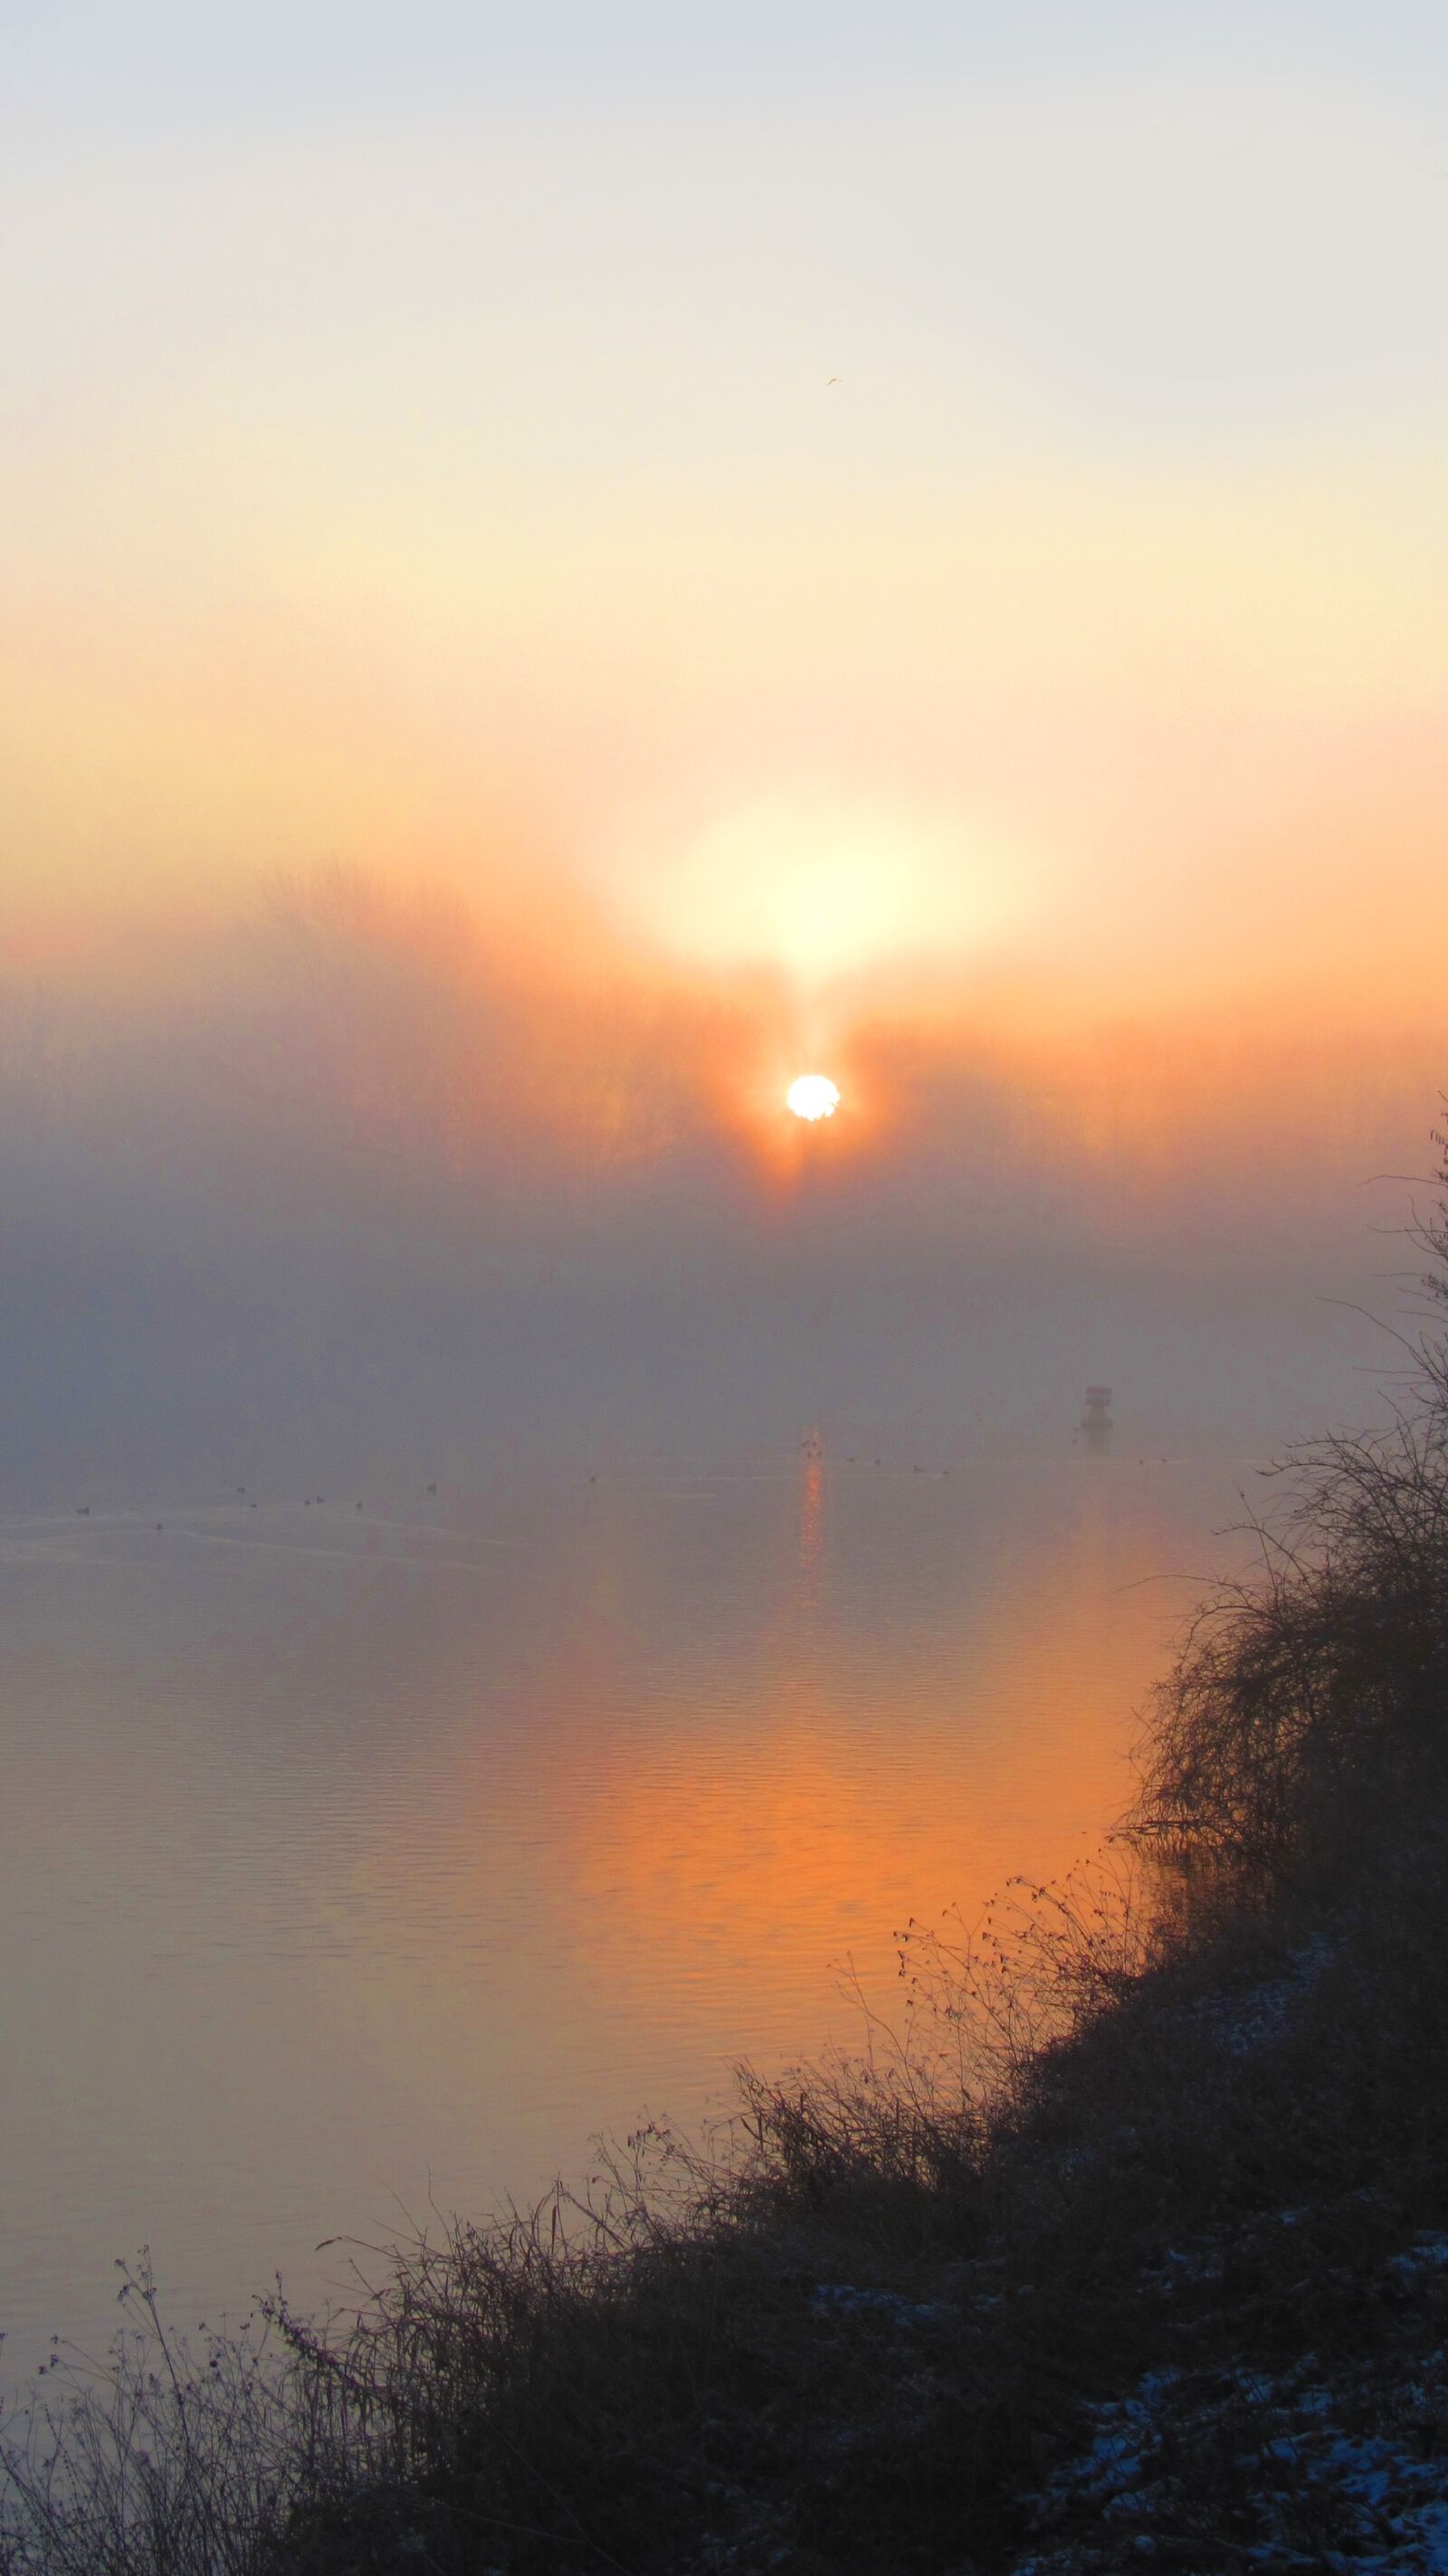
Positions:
{"x": 358, "y": 1184}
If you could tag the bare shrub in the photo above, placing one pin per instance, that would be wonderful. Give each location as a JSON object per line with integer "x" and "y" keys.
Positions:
{"x": 1312, "y": 1693}
{"x": 1307, "y": 1717}
{"x": 164, "y": 2459}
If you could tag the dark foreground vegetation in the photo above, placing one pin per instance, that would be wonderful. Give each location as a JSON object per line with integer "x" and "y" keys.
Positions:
{"x": 1133, "y": 2250}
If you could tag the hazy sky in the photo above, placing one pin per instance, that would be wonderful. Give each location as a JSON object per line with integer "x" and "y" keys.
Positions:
{"x": 562, "y": 564}
{"x": 419, "y": 449}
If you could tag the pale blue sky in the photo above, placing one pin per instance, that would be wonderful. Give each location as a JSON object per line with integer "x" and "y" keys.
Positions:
{"x": 186, "y": 65}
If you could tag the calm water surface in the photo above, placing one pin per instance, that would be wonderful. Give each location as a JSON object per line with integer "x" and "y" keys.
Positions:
{"x": 357, "y": 1861}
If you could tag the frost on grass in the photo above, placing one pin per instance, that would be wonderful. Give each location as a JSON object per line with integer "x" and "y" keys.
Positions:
{"x": 1315, "y": 2465}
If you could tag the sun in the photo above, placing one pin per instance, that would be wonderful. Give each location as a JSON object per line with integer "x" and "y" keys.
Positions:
{"x": 813, "y": 1095}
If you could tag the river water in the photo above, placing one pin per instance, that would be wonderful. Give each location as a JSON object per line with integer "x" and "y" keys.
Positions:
{"x": 361, "y": 1862}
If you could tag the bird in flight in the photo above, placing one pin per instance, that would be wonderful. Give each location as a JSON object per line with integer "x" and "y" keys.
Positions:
{"x": 834, "y": 380}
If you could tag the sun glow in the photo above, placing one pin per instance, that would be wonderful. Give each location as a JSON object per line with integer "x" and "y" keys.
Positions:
{"x": 813, "y": 1096}
{"x": 817, "y": 886}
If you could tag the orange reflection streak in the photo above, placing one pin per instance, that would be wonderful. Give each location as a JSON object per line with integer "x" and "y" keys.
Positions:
{"x": 712, "y": 1866}
{"x": 767, "y": 1862}
{"x": 811, "y": 1505}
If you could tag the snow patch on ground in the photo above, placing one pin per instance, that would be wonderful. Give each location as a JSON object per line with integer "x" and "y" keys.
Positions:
{"x": 1309, "y": 2468}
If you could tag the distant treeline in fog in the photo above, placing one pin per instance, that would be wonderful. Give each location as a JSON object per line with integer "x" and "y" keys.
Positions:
{"x": 358, "y": 1154}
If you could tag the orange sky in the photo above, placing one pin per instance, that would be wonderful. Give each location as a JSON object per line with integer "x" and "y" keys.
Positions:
{"x": 464, "y": 496}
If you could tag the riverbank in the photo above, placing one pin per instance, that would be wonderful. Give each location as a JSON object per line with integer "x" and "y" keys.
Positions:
{"x": 1132, "y": 2245}
{"x": 1181, "y": 2296}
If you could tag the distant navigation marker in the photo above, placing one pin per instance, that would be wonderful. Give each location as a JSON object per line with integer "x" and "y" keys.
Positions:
{"x": 1096, "y": 1423}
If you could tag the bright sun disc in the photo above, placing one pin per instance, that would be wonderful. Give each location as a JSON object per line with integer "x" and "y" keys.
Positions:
{"x": 813, "y": 1096}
